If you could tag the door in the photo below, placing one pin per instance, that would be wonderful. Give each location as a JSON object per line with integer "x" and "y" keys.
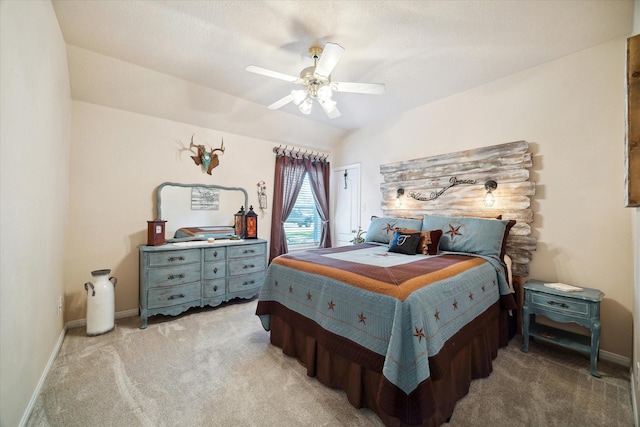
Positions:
{"x": 346, "y": 204}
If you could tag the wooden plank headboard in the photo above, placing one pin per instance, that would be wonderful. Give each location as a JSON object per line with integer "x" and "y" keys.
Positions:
{"x": 507, "y": 164}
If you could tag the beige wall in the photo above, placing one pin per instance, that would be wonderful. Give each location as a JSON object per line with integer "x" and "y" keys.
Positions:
{"x": 118, "y": 159}
{"x": 34, "y": 142}
{"x": 572, "y": 112}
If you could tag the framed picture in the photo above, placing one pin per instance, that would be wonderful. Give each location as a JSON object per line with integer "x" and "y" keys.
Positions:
{"x": 205, "y": 198}
{"x": 632, "y": 152}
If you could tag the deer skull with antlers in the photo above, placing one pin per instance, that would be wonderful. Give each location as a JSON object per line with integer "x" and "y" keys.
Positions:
{"x": 206, "y": 159}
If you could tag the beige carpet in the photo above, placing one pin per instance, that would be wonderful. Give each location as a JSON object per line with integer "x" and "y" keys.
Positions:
{"x": 215, "y": 367}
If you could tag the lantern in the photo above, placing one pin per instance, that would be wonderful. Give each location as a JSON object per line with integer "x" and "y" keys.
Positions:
{"x": 239, "y": 222}
{"x": 251, "y": 224}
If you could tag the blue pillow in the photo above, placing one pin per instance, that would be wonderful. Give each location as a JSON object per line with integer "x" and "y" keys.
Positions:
{"x": 471, "y": 235}
{"x": 381, "y": 229}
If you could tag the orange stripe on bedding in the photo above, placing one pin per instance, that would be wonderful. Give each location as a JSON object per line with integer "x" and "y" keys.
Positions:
{"x": 400, "y": 291}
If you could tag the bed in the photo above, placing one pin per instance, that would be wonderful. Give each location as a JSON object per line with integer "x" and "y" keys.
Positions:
{"x": 403, "y": 322}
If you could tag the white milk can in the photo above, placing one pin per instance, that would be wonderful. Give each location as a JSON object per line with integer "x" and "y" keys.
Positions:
{"x": 100, "y": 302}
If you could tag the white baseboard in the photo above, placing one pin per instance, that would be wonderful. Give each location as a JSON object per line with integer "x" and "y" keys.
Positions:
{"x": 54, "y": 354}
{"x": 633, "y": 398}
{"x": 119, "y": 315}
{"x": 614, "y": 358}
{"x": 43, "y": 377}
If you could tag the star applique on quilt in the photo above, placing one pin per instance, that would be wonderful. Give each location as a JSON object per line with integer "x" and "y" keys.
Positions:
{"x": 362, "y": 318}
{"x": 419, "y": 334}
{"x": 437, "y": 315}
{"x": 332, "y": 305}
{"x": 309, "y": 296}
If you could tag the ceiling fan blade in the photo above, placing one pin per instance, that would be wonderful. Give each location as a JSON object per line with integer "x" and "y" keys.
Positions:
{"x": 329, "y": 107}
{"x": 281, "y": 102}
{"x": 331, "y": 54}
{"x": 368, "y": 88}
{"x": 274, "y": 74}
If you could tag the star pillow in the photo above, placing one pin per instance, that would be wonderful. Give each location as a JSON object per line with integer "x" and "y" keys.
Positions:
{"x": 471, "y": 235}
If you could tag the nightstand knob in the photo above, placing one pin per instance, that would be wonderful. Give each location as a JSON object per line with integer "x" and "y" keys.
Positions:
{"x": 562, "y": 305}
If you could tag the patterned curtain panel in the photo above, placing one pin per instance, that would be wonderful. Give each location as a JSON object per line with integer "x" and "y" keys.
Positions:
{"x": 289, "y": 175}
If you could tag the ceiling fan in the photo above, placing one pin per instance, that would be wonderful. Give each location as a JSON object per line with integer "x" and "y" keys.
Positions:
{"x": 316, "y": 82}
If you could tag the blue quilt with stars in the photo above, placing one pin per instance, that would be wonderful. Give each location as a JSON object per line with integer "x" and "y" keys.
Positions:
{"x": 402, "y": 307}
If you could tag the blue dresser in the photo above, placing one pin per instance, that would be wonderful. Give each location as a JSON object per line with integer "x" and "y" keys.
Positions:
{"x": 177, "y": 276}
{"x": 582, "y": 308}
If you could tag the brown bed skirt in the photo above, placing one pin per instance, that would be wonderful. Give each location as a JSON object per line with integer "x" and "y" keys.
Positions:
{"x": 466, "y": 356}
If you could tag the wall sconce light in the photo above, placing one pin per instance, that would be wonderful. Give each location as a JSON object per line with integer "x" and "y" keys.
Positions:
{"x": 399, "y": 194}
{"x": 490, "y": 186}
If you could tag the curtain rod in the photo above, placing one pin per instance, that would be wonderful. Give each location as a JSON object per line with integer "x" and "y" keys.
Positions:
{"x": 299, "y": 153}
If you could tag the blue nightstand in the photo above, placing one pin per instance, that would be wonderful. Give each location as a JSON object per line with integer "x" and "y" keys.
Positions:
{"x": 581, "y": 307}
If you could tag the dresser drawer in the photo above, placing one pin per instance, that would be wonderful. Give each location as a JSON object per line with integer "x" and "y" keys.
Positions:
{"x": 245, "y": 283}
{"x": 166, "y": 258}
{"x": 565, "y": 306}
{"x": 215, "y": 254}
{"x": 174, "y": 295}
{"x": 246, "y": 250}
{"x": 213, "y": 288}
{"x": 174, "y": 275}
{"x": 215, "y": 270}
{"x": 246, "y": 265}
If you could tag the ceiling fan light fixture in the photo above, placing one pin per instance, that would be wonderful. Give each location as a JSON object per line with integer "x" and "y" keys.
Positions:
{"x": 317, "y": 83}
{"x": 298, "y": 96}
{"x": 305, "y": 107}
{"x": 325, "y": 92}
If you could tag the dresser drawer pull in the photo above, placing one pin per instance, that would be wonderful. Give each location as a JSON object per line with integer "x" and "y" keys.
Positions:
{"x": 249, "y": 251}
{"x": 248, "y": 266}
{"x": 215, "y": 270}
{"x": 561, "y": 304}
{"x": 215, "y": 254}
{"x": 215, "y": 288}
{"x": 249, "y": 282}
{"x": 175, "y": 276}
{"x": 175, "y": 258}
{"x": 176, "y": 296}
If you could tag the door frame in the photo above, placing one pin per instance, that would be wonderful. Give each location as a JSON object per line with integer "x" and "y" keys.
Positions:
{"x": 358, "y": 166}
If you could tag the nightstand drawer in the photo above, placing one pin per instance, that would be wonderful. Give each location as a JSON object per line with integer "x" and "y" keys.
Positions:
{"x": 566, "y": 306}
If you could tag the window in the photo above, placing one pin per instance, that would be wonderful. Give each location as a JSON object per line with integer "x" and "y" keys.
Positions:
{"x": 303, "y": 226}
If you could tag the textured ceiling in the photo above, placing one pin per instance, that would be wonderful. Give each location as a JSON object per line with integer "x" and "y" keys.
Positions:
{"x": 421, "y": 50}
